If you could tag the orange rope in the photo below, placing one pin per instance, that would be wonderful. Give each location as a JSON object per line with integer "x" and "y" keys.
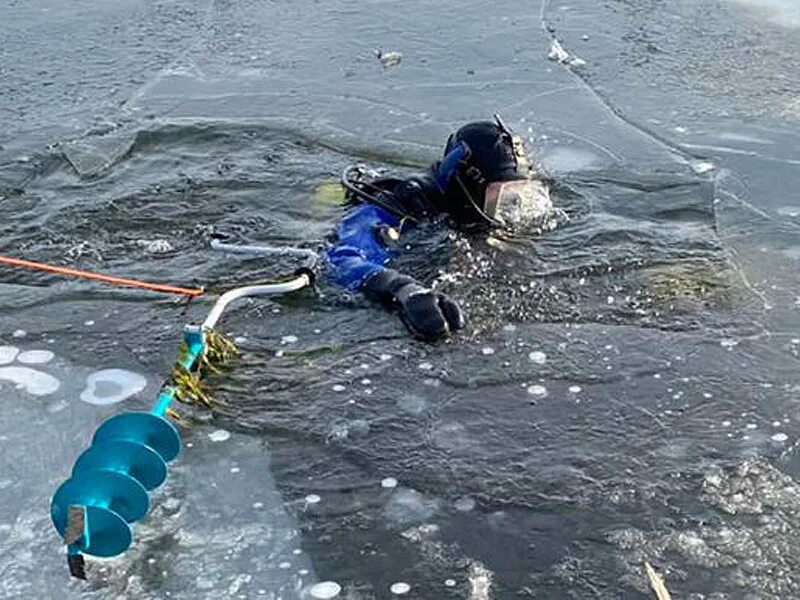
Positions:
{"x": 154, "y": 287}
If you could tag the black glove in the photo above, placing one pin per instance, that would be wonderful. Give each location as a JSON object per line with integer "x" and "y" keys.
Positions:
{"x": 428, "y": 314}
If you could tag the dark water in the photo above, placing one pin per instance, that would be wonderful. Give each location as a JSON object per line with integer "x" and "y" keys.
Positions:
{"x": 626, "y": 390}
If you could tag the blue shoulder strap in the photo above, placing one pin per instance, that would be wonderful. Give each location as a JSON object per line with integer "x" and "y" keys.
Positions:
{"x": 449, "y": 165}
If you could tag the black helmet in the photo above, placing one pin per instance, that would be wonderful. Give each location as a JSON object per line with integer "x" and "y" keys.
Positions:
{"x": 476, "y": 155}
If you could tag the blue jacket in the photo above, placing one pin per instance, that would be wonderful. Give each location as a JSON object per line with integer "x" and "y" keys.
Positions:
{"x": 358, "y": 251}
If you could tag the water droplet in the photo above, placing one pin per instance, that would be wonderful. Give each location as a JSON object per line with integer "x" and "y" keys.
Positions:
{"x": 288, "y": 339}
{"x": 312, "y": 499}
{"x": 487, "y": 351}
{"x": 425, "y": 366}
{"x": 19, "y": 333}
{"x": 450, "y": 582}
{"x": 284, "y": 565}
{"x": 235, "y": 469}
{"x": 88, "y": 323}
{"x": 389, "y": 483}
{"x": 338, "y": 388}
{"x": 575, "y": 389}
{"x": 780, "y": 437}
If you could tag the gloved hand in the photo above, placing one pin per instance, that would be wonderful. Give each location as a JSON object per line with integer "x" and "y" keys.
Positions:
{"x": 428, "y": 314}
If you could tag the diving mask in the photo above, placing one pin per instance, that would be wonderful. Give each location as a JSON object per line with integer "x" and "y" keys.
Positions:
{"x": 517, "y": 202}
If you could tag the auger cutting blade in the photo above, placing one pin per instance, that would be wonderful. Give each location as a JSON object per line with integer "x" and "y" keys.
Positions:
{"x": 142, "y": 463}
{"x": 76, "y": 523}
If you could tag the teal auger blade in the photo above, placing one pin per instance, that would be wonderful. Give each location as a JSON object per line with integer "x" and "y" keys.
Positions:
{"x": 142, "y": 428}
{"x": 141, "y": 462}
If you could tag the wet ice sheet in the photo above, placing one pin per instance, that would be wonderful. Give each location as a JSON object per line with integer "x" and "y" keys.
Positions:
{"x": 739, "y": 557}
{"x": 781, "y": 12}
{"x": 443, "y": 424}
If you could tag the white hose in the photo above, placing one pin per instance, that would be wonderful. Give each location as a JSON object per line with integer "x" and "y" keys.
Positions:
{"x": 295, "y": 284}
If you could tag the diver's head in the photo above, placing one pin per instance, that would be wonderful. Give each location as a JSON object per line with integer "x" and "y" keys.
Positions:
{"x": 485, "y": 177}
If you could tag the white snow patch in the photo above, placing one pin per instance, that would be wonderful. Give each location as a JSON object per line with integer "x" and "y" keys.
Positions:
{"x": 35, "y": 357}
{"x": 220, "y": 435}
{"x": 37, "y": 383}
{"x": 325, "y": 590}
{"x": 702, "y": 167}
{"x": 400, "y": 588}
{"x": 8, "y": 354}
{"x": 465, "y": 504}
{"x": 538, "y": 357}
{"x": 537, "y": 390}
{"x": 155, "y": 246}
{"x": 110, "y": 386}
{"x": 558, "y": 54}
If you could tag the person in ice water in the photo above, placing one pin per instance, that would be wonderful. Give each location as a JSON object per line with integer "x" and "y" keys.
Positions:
{"x": 484, "y": 179}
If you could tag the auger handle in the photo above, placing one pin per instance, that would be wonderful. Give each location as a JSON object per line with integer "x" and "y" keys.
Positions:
{"x": 269, "y": 289}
